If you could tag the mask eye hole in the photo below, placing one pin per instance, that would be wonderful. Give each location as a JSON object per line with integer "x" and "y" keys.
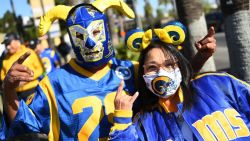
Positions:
{"x": 96, "y": 32}
{"x": 79, "y": 35}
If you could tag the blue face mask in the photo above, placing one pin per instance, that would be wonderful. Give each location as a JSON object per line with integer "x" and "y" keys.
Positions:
{"x": 88, "y": 30}
{"x": 163, "y": 84}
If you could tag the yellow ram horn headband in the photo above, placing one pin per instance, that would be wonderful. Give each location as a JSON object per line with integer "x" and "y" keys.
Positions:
{"x": 147, "y": 38}
{"x": 58, "y": 12}
{"x": 121, "y": 6}
{"x": 139, "y": 40}
{"x": 160, "y": 33}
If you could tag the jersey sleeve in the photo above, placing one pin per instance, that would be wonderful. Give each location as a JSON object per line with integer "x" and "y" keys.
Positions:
{"x": 32, "y": 117}
{"x": 242, "y": 95}
{"x": 123, "y": 129}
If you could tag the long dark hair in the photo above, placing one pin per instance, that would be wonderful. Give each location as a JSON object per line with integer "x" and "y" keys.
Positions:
{"x": 146, "y": 98}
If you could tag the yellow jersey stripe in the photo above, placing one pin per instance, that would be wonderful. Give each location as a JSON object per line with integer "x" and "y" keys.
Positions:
{"x": 123, "y": 113}
{"x": 54, "y": 119}
{"x": 222, "y": 74}
{"x": 117, "y": 126}
{"x": 95, "y": 76}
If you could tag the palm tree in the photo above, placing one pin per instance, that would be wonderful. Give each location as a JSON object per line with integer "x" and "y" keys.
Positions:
{"x": 75, "y": 2}
{"x": 163, "y": 2}
{"x": 173, "y": 3}
{"x": 237, "y": 30}
{"x": 137, "y": 17}
{"x": 112, "y": 27}
{"x": 160, "y": 14}
{"x": 190, "y": 13}
{"x": 148, "y": 10}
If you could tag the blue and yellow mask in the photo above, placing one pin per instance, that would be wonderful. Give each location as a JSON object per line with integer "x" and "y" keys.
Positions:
{"x": 87, "y": 28}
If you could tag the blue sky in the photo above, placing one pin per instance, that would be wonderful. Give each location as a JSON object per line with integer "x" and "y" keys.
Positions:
{"x": 22, "y": 8}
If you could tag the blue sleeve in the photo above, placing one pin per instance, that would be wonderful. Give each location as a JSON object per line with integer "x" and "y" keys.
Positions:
{"x": 123, "y": 129}
{"x": 32, "y": 117}
{"x": 129, "y": 134}
{"x": 242, "y": 95}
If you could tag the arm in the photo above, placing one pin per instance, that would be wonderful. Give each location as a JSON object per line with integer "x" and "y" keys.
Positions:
{"x": 123, "y": 129}
{"x": 17, "y": 76}
{"x": 31, "y": 117}
{"x": 206, "y": 47}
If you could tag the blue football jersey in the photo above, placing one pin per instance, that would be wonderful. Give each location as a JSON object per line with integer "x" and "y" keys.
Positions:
{"x": 50, "y": 59}
{"x": 220, "y": 112}
{"x": 72, "y": 103}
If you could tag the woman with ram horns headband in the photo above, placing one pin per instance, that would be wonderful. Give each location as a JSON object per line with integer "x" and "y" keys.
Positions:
{"x": 211, "y": 106}
{"x": 74, "y": 102}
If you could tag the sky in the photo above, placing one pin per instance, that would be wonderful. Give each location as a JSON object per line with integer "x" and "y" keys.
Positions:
{"x": 22, "y": 7}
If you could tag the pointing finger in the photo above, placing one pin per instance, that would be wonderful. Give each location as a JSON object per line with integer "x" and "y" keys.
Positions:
{"x": 120, "y": 88}
{"x": 23, "y": 57}
{"x": 211, "y": 33}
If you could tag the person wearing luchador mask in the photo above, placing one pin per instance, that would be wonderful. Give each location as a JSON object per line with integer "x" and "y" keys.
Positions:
{"x": 210, "y": 107}
{"x": 75, "y": 102}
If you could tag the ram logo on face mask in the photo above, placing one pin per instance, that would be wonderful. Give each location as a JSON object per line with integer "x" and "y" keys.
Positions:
{"x": 163, "y": 83}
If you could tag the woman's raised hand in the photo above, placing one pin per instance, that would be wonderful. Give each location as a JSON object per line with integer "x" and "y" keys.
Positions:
{"x": 207, "y": 46}
{"x": 124, "y": 101}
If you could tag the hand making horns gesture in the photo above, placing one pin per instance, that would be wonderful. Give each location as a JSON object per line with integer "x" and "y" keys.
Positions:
{"x": 124, "y": 101}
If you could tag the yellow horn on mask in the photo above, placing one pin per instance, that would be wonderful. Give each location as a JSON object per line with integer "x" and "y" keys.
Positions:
{"x": 102, "y": 5}
{"x": 58, "y": 12}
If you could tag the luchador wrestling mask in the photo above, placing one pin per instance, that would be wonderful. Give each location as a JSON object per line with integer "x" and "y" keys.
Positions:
{"x": 88, "y": 29}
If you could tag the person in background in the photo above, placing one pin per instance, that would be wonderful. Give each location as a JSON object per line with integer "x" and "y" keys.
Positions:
{"x": 174, "y": 105}
{"x": 3, "y": 51}
{"x": 2, "y": 54}
{"x": 49, "y": 57}
{"x": 64, "y": 49}
{"x": 15, "y": 50}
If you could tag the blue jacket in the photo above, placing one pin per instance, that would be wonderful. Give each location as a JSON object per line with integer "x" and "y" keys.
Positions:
{"x": 221, "y": 111}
